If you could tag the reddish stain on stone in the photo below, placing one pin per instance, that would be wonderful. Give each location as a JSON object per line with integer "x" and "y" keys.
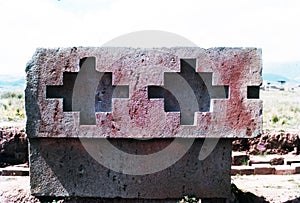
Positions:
{"x": 117, "y": 72}
{"x": 208, "y": 122}
{"x": 139, "y": 106}
{"x": 205, "y": 121}
{"x": 107, "y": 123}
{"x": 56, "y": 112}
{"x": 208, "y": 119}
{"x": 118, "y": 75}
{"x": 237, "y": 114}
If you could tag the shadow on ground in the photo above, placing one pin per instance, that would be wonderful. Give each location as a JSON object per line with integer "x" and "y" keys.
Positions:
{"x": 297, "y": 200}
{"x": 238, "y": 196}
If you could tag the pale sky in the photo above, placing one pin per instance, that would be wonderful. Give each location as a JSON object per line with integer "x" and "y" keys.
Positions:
{"x": 273, "y": 25}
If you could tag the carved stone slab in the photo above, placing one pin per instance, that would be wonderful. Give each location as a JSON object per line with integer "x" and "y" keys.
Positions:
{"x": 144, "y": 93}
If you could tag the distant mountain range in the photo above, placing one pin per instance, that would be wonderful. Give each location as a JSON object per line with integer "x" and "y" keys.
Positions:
{"x": 288, "y": 71}
{"x": 12, "y": 82}
{"x": 270, "y": 77}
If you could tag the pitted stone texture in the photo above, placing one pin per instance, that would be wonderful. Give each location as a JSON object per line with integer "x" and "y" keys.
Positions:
{"x": 62, "y": 167}
{"x": 138, "y": 116}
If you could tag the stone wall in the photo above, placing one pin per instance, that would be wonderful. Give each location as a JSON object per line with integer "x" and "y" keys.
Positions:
{"x": 270, "y": 142}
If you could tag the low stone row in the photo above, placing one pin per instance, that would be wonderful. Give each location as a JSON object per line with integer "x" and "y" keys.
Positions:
{"x": 19, "y": 170}
{"x": 266, "y": 169}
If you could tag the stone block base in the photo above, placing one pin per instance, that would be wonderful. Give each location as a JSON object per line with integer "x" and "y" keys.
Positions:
{"x": 63, "y": 168}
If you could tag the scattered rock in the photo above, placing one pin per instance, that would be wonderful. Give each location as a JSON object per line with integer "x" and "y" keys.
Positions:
{"x": 269, "y": 143}
{"x": 13, "y": 147}
{"x": 240, "y": 145}
{"x": 240, "y": 159}
{"x": 277, "y": 161}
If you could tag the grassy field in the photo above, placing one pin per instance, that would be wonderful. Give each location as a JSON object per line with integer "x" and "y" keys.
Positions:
{"x": 12, "y": 107}
{"x": 281, "y": 109}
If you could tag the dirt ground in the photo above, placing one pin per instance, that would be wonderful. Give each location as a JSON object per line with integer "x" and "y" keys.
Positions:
{"x": 275, "y": 188}
{"x": 15, "y": 189}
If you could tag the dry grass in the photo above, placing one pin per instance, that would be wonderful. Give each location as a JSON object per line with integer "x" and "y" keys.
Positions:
{"x": 281, "y": 110}
{"x": 12, "y": 107}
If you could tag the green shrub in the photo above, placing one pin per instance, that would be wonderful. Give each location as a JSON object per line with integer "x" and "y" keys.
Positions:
{"x": 20, "y": 96}
{"x": 275, "y": 119}
{"x": 8, "y": 95}
{"x": 20, "y": 113}
{"x": 245, "y": 162}
{"x": 295, "y": 109}
{"x": 4, "y": 106}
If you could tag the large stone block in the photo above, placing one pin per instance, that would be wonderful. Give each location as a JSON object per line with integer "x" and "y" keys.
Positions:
{"x": 144, "y": 93}
{"x": 83, "y": 104}
{"x": 62, "y": 167}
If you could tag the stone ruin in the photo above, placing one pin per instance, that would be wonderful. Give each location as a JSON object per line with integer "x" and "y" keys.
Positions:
{"x": 13, "y": 146}
{"x": 139, "y": 125}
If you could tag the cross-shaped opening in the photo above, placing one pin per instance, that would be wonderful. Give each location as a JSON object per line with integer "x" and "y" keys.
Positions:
{"x": 106, "y": 91}
{"x": 193, "y": 86}
{"x": 64, "y": 91}
{"x": 103, "y": 96}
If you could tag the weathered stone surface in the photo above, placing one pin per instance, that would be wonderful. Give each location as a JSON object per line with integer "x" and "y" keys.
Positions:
{"x": 263, "y": 169}
{"x": 62, "y": 167}
{"x": 242, "y": 170}
{"x": 296, "y": 166}
{"x": 239, "y": 158}
{"x": 116, "y": 93}
{"x": 225, "y": 105}
{"x": 13, "y": 147}
{"x": 269, "y": 142}
{"x": 277, "y": 161}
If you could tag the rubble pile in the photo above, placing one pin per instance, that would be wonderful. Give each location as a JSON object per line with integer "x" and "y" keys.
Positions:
{"x": 269, "y": 143}
{"x": 13, "y": 146}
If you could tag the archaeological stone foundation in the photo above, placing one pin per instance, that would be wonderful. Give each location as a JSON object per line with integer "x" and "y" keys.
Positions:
{"x": 139, "y": 125}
